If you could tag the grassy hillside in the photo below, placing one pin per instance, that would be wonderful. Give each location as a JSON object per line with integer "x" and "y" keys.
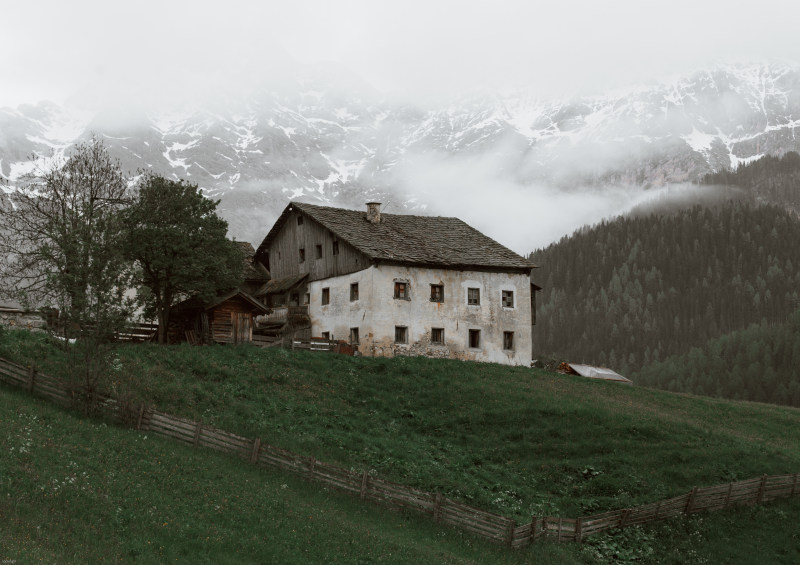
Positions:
{"x": 77, "y": 491}
{"x": 512, "y": 440}
{"x": 517, "y": 441}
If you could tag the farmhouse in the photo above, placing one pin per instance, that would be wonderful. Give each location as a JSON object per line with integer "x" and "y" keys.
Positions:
{"x": 399, "y": 284}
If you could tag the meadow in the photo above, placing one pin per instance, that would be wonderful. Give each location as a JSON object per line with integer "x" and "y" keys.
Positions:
{"x": 515, "y": 441}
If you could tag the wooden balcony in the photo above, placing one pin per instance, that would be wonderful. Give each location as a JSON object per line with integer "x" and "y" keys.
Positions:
{"x": 283, "y": 314}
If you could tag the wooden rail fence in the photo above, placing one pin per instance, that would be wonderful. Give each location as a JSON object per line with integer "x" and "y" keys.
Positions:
{"x": 489, "y": 525}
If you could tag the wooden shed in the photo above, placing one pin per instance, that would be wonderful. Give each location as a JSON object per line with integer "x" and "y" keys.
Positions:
{"x": 228, "y": 318}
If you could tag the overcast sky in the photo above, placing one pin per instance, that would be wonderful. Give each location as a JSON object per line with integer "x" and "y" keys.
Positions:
{"x": 54, "y": 49}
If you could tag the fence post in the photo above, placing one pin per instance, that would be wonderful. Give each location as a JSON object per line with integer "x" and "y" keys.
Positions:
{"x": 533, "y": 531}
{"x": 761, "y": 489}
{"x": 579, "y": 530}
{"x": 141, "y": 415}
{"x": 728, "y": 496}
{"x": 312, "y": 466}
{"x": 256, "y": 450}
{"x": 197, "y": 433}
{"x": 544, "y": 526}
{"x": 437, "y": 507}
{"x": 31, "y": 378}
{"x": 512, "y": 525}
{"x": 794, "y": 485}
{"x": 560, "y": 521}
{"x": 364, "y": 484}
{"x": 690, "y": 502}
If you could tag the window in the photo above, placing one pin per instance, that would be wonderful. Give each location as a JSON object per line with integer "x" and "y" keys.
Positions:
{"x": 508, "y": 340}
{"x": 294, "y": 299}
{"x": 353, "y": 336}
{"x": 474, "y": 296}
{"x": 302, "y": 254}
{"x": 326, "y": 296}
{"x": 319, "y": 252}
{"x": 400, "y": 334}
{"x": 401, "y": 290}
{"x": 353, "y": 292}
{"x": 326, "y": 335}
{"x": 335, "y": 247}
{"x": 308, "y": 298}
{"x": 474, "y": 338}
{"x": 437, "y": 293}
{"x": 299, "y": 220}
{"x": 508, "y": 299}
{"x": 437, "y": 336}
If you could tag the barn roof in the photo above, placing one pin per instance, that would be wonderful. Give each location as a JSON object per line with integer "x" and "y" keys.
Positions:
{"x": 253, "y": 270}
{"x": 591, "y": 372}
{"x": 405, "y": 239}
{"x": 194, "y": 303}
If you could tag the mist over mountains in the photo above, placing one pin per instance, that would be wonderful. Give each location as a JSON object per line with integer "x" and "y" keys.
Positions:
{"x": 523, "y": 170}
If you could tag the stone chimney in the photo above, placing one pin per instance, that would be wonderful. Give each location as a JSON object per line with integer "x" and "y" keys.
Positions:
{"x": 374, "y": 212}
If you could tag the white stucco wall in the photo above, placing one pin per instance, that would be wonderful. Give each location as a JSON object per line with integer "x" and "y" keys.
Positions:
{"x": 377, "y": 313}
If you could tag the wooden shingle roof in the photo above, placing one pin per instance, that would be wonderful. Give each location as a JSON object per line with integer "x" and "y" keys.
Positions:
{"x": 415, "y": 240}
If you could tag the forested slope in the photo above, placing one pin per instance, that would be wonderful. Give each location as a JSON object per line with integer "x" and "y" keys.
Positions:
{"x": 639, "y": 289}
{"x": 770, "y": 179}
{"x": 758, "y": 363}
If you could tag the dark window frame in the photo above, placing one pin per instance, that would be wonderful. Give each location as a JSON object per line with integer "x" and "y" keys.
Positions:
{"x": 402, "y": 290}
{"x": 326, "y": 296}
{"x": 508, "y": 341}
{"x": 437, "y": 292}
{"x": 302, "y": 254}
{"x": 319, "y": 251}
{"x": 353, "y": 292}
{"x": 437, "y": 339}
{"x": 354, "y": 334}
{"x": 401, "y": 335}
{"x": 476, "y": 299}
{"x": 506, "y": 297}
{"x": 335, "y": 247}
{"x": 474, "y": 337}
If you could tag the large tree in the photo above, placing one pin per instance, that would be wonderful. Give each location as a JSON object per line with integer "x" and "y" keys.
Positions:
{"x": 179, "y": 245}
{"x": 60, "y": 247}
{"x": 60, "y": 239}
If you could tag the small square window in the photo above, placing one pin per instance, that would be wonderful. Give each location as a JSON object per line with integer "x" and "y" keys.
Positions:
{"x": 353, "y": 336}
{"x": 353, "y": 292}
{"x": 302, "y": 254}
{"x": 319, "y": 251}
{"x": 335, "y": 247}
{"x": 326, "y": 296}
{"x": 437, "y": 336}
{"x": 508, "y": 299}
{"x": 400, "y": 334}
{"x": 299, "y": 220}
{"x": 508, "y": 340}
{"x": 326, "y": 335}
{"x": 473, "y": 296}
{"x": 474, "y": 338}
{"x": 401, "y": 290}
{"x": 437, "y": 293}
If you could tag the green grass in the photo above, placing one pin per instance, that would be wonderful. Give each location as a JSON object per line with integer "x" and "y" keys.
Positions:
{"x": 515, "y": 441}
{"x": 511, "y": 440}
{"x": 74, "y": 490}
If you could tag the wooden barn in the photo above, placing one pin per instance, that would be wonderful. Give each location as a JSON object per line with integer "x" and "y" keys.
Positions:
{"x": 227, "y": 318}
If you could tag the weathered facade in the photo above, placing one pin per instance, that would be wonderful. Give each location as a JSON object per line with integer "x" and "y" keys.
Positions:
{"x": 403, "y": 285}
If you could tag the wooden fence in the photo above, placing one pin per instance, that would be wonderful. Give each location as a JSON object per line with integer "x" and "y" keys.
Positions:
{"x": 489, "y": 525}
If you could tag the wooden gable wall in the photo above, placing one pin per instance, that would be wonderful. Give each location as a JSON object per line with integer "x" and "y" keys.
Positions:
{"x": 284, "y": 251}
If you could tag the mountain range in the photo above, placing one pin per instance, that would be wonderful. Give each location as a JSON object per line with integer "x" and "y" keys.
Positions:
{"x": 328, "y": 145}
